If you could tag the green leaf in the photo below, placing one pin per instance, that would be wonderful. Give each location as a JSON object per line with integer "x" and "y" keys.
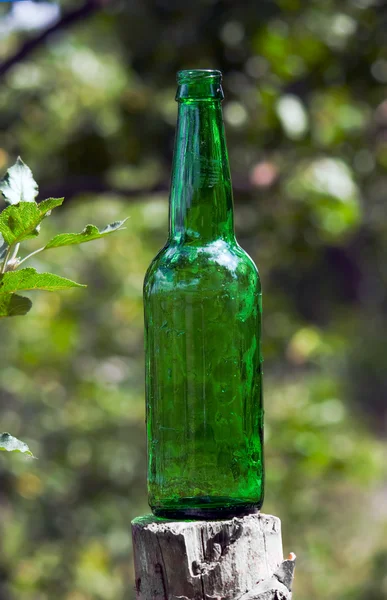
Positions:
{"x": 18, "y": 184}
{"x": 12, "y": 305}
{"x": 20, "y": 221}
{"x": 91, "y": 232}
{"x": 12, "y": 444}
{"x": 30, "y": 279}
{"x": 46, "y": 206}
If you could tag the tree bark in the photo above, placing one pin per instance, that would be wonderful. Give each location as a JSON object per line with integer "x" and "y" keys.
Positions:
{"x": 239, "y": 559}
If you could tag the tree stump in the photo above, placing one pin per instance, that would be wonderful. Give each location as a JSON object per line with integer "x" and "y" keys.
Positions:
{"x": 239, "y": 559}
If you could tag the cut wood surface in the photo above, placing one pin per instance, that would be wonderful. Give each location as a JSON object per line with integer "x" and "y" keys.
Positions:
{"x": 238, "y": 559}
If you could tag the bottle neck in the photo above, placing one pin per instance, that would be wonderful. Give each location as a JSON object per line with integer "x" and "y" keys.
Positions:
{"x": 201, "y": 204}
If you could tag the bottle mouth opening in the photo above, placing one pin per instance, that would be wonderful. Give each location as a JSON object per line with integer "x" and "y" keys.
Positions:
{"x": 198, "y": 75}
{"x": 199, "y": 84}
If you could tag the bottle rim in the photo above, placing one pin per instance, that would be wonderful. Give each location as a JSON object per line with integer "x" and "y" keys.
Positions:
{"x": 197, "y": 75}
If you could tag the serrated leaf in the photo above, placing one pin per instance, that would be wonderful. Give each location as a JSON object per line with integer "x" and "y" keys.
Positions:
{"x": 18, "y": 184}
{"x": 46, "y": 206}
{"x": 9, "y": 443}
{"x": 12, "y": 305}
{"x": 91, "y": 232}
{"x": 30, "y": 279}
{"x": 20, "y": 221}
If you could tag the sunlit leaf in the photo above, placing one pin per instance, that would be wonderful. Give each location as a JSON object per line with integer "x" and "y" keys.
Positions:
{"x": 91, "y": 232}
{"x": 20, "y": 221}
{"x": 9, "y": 443}
{"x": 46, "y": 206}
{"x": 18, "y": 184}
{"x": 30, "y": 279}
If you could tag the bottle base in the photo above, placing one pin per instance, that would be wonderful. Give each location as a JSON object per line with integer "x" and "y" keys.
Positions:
{"x": 206, "y": 509}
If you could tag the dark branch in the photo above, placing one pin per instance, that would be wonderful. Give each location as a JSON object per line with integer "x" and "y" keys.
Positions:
{"x": 65, "y": 22}
{"x": 76, "y": 186}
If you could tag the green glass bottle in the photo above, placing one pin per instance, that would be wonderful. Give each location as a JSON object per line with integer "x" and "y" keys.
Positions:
{"x": 202, "y": 300}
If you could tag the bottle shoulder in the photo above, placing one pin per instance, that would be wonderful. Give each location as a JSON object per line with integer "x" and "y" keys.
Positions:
{"x": 215, "y": 263}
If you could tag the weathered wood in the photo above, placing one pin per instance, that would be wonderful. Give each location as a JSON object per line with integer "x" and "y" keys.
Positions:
{"x": 239, "y": 559}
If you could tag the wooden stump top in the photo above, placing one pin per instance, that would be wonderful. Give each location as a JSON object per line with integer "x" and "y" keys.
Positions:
{"x": 235, "y": 559}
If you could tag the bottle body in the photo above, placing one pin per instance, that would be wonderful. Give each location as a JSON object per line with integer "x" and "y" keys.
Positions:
{"x": 204, "y": 382}
{"x": 202, "y": 301}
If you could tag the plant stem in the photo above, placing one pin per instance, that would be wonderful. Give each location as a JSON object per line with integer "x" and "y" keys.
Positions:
{"x": 32, "y": 254}
{"x": 6, "y": 259}
{"x": 16, "y": 250}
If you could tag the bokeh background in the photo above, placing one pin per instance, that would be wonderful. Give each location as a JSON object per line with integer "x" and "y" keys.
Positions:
{"x": 90, "y": 108}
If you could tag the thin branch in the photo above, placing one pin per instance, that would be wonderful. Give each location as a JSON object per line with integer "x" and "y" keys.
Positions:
{"x": 6, "y": 259}
{"x": 75, "y": 186}
{"x": 32, "y": 254}
{"x": 16, "y": 250}
{"x": 67, "y": 20}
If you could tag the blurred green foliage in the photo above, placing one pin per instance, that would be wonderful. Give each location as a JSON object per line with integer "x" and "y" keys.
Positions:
{"x": 93, "y": 113}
